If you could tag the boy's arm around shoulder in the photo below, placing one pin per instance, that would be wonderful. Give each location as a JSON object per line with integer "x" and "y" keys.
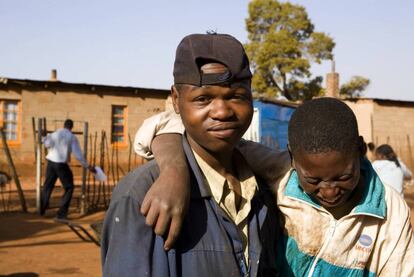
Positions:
{"x": 166, "y": 202}
{"x": 164, "y": 205}
{"x": 270, "y": 164}
{"x": 128, "y": 245}
{"x": 163, "y": 123}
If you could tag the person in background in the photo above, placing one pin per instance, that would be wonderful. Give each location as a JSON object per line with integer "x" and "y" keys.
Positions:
{"x": 391, "y": 170}
{"x": 60, "y": 145}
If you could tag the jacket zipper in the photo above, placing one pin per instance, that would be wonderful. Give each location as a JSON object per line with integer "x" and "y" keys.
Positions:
{"x": 332, "y": 228}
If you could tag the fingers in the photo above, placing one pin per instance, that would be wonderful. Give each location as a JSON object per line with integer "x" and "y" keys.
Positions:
{"x": 152, "y": 216}
{"x": 146, "y": 204}
{"x": 173, "y": 233}
{"x": 163, "y": 222}
{"x": 161, "y": 219}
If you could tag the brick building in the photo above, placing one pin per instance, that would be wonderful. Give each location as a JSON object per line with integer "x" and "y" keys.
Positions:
{"x": 117, "y": 110}
{"x": 381, "y": 120}
{"x": 387, "y": 121}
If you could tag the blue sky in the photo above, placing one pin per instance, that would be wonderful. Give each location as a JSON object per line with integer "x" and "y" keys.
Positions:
{"x": 132, "y": 42}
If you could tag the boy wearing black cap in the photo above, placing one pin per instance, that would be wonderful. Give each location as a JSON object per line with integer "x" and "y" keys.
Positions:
{"x": 232, "y": 220}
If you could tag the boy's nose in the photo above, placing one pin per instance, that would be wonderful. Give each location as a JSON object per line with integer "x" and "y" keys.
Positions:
{"x": 221, "y": 110}
{"x": 330, "y": 192}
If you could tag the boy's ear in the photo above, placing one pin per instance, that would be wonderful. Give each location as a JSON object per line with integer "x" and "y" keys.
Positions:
{"x": 362, "y": 147}
{"x": 175, "y": 97}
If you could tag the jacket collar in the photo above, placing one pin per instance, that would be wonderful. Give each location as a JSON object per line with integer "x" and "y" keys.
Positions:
{"x": 373, "y": 199}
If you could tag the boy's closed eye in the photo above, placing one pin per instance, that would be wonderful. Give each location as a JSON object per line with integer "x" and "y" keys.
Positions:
{"x": 312, "y": 181}
{"x": 344, "y": 178}
{"x": 316, "y": 181}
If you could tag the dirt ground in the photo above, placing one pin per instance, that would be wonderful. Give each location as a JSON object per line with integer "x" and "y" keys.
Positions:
{"x": 31, "y": 245}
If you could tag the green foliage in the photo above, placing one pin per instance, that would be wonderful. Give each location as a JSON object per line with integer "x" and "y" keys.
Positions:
{"x": 282, "y": 46}
{"x": 354, "y": 87}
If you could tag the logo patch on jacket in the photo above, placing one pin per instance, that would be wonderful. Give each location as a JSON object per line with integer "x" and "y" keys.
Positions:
{"x": 365, "y": 240}
{"x": 364, "y": 248}
{"x": 364, "y": 244}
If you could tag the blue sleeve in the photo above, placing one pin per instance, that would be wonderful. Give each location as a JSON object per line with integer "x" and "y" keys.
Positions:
{"x": 127, "y": 242}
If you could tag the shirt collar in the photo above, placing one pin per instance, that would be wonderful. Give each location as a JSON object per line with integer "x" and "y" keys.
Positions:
{"x": 216, "y": 181}
{"x": 373, "y": 199}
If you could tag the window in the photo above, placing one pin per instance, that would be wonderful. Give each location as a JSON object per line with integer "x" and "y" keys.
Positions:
{"x": 119, "y": 127}
{"x": 10, "y": 119}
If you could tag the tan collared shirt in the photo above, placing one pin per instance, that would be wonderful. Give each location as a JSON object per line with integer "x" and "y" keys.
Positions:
{"x": 223, "y": 194}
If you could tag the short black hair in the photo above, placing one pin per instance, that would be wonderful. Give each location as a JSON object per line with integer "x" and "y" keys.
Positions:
{"x": 68, "y": 124}
{"x": 371, "y": 146}
{"x": 322, "y": 125}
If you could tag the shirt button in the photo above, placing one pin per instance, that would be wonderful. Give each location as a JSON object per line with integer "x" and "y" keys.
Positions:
{"x": 116, "y": 219}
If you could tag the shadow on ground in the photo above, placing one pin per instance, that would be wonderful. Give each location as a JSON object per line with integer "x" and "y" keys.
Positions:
{"x": 22, "y": 226}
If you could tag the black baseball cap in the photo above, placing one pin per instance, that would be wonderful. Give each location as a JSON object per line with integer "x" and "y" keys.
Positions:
{"x": 198, "y": 49}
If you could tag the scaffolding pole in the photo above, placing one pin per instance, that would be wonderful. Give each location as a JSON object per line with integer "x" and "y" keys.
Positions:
{"x": 83, "y": 204}
{"x": 38, "y": 163}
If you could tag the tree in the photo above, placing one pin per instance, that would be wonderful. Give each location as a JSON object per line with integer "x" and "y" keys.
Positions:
{"x": 282, "y": 46}
{"x": 354, "y": 87}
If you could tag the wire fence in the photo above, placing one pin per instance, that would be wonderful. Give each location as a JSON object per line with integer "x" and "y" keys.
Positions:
{"x": 114, "y": 160}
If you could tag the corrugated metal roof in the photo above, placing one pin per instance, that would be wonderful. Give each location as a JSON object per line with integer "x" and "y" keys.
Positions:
{"x": 90, "y": 87}
{"x": 379, "y": 100}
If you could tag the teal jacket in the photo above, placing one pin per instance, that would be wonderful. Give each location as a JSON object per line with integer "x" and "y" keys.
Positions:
{"x": 375, "y": 239}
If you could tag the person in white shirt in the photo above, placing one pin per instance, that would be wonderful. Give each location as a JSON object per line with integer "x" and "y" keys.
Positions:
{"x": 391, "y": 170}
{"x": 61, "y": 144}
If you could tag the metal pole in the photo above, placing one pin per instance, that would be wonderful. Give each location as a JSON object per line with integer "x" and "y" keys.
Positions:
{"x": 38, "y": 162}
{"x": 410, "y": 152}
{"x": 83, "y": 207}
{"x": 44, "y": 129}
{"x": 34, "y": 137}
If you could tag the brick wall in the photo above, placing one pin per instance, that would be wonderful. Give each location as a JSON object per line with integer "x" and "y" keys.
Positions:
{"x": 391, "y": 122}
{"x": 394, "y": 124}
{"x": 363, "y": 110}
{"x": 80, "y": 105}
